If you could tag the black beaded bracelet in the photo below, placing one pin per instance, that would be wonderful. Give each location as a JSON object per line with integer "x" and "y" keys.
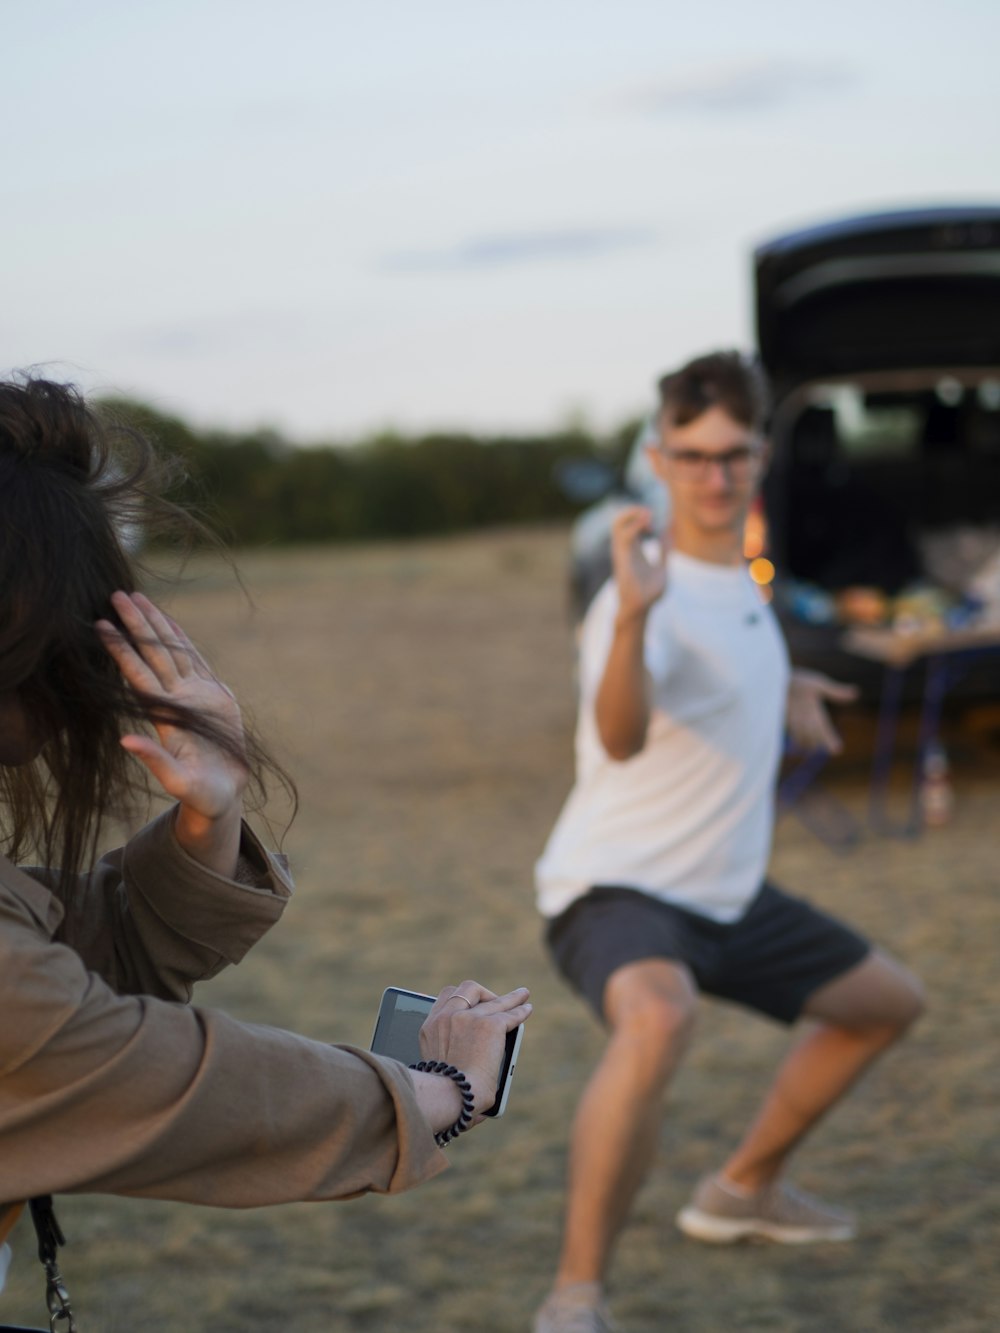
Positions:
{"x": 445, "y": 1136}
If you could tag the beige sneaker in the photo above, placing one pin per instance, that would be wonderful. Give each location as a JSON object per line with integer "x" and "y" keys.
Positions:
{"x": 778, "y": 1212}
{"x": 578, "y": 1308}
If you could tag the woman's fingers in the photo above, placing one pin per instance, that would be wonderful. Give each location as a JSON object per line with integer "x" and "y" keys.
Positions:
{"x": 159, "y": 639}
{"x": 154, "y": 654}
{"x": 145, "y": 640}
{"x": 513, "y": 1008}
{"x": 198, "y": 663}
{"x": 128, "y": 661}
{"x": 505, "y": 1004}
{"x": 164, "y": 767}
{"x": 479, "y": 998}
{"x": 155, "y": 637}
{"x": 516, "y": 1016}
{"x": 472, "y": 1036}
{"x": 168, "y": 633}
{"x": 470, "y": 991}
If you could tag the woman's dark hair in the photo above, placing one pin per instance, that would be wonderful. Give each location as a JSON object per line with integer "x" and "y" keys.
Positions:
{"x": 74, "y": 485}
{"x": 720, "y": 379}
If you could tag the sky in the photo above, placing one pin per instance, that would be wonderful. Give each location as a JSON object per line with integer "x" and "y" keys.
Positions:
{"x": 334, "y": 218}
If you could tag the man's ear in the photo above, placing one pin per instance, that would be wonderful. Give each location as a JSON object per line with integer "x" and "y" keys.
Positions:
{"x": 657, "y": 462}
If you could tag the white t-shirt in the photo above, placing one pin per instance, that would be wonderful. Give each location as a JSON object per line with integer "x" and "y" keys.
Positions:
{"x": 688, "y": 819}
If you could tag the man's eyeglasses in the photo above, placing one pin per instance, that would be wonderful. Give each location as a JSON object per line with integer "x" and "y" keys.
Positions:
{"x": 696, "y": 464}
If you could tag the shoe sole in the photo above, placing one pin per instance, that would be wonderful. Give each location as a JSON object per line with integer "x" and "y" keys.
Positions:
{"x": 716, "y": 1230}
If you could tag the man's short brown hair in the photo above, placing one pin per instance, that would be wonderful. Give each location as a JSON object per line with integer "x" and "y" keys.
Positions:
{"x": 721, "y": 379}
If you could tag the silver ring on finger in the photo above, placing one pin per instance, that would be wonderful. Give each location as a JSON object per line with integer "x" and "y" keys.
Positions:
{"x": 456, "y": 996}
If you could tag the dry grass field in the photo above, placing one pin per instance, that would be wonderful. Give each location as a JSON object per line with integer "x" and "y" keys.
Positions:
{"x": 422, "y": 697}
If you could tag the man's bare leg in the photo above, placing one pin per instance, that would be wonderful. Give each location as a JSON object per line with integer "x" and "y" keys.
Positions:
{"x": 859, "y": 1015}
{"x": 650, "y": 1008}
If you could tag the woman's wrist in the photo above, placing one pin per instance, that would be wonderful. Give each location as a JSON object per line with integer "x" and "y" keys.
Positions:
{"x": 214, "y": 842}
{"x": 439, "y": 1099}
{"x": 464, "y": 1118}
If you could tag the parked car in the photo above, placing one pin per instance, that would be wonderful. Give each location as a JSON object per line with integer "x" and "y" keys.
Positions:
{"x": 881, "y": 339}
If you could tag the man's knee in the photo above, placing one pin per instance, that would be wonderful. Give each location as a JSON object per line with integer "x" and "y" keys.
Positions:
{"x": 880, "y": 996}
{"x": 657, "y": 1021}
{"x": 653, "y": 1005}
{"x": 901, "y": 1002}
{"x": 909, "y": 1002}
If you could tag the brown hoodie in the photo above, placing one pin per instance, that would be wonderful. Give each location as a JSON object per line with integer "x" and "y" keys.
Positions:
{"x": 110, "y": 1082}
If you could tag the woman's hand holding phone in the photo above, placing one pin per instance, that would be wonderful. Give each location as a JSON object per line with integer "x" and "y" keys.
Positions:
{"x": 467, "y": 1028}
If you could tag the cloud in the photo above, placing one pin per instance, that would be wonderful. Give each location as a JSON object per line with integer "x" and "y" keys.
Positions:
{"x": 502, "y": 251}
{"x": 749, "y": 86}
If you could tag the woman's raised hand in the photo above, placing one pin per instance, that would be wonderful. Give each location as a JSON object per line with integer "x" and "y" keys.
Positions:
{"x": 160, "y": 661}
{"x": 467, "y": 1028}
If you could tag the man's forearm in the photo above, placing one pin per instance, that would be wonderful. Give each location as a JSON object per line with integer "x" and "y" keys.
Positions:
{"x": 622, "y": 706}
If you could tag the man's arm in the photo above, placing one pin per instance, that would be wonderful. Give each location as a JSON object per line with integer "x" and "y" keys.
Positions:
{"x": 623, "y": 701}
{"x": 624, "y": 697}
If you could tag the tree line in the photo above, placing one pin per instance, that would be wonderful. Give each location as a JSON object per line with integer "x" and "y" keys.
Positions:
{"x": 257, "y": 487}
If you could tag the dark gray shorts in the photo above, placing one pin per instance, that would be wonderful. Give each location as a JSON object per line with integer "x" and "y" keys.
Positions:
{"x": 771, "y": 959}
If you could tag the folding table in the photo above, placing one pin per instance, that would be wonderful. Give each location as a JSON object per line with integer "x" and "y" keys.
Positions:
{"x": 947, "y": 654}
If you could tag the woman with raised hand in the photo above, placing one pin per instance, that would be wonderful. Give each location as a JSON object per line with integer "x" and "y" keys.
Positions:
{"x": 110, "y": 1081}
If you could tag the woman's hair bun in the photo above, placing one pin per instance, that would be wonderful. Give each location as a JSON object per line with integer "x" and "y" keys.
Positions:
{"x": 45, "y": 422}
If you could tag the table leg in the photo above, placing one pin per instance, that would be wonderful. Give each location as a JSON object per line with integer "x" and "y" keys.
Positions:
{"x": 820, "y": 812}
{"x": 885, "y": 744}
{"x": 794, "y": 783}
{"x": 937, "y": 682}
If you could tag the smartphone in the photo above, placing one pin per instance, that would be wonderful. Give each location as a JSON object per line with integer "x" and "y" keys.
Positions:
{"x": 400, "y": 1018}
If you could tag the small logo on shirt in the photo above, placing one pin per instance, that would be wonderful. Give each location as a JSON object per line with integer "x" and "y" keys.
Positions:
{"x": 753, "y": 618}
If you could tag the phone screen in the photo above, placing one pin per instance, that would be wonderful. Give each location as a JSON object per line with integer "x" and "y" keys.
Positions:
{"x": 400, "y": 1019}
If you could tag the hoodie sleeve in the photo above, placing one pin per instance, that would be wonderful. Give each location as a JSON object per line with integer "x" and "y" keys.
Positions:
{"x": 151, "y": 920}
{"x": 134, "y": 1095}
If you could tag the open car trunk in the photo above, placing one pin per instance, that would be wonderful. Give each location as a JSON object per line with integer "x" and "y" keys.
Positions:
{"x": 895, "y": 291}
{"x": 881, "y": 337}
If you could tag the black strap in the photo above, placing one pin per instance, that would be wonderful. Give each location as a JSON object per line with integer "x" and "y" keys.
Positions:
{"x": 47, "y": 1227}
{"x": 50, "y": 1237}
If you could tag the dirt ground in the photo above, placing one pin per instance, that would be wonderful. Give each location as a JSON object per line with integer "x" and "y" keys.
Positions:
{"x": 422, "y": 697}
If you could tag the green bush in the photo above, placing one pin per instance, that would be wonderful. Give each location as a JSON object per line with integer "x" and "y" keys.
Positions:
{"x": 259, "y": 488}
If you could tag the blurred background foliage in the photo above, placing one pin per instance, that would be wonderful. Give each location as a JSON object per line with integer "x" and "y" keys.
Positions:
{"x": 258, "y": 487}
